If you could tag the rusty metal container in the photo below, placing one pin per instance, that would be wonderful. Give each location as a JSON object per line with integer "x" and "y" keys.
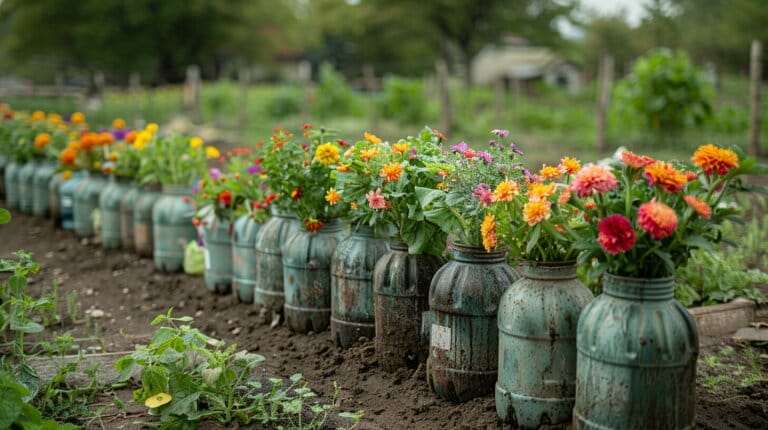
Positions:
{"x": 352, "y": 314}
{"x": 11, "y": 176}
{"x": 636, "y": 364}
{"x": 66, "y": 194}
{"x": 40, "y": 189}
{"x": 244, "y": 258}
{"x": 127, "y": 205}
{"x": 537, "y": 322}
{"x": 26, "y": 178}
{"x": 109, "y": 204}
{"x": 400, "y": 291}
{"x": 461, "y": 322}
{"x": 268, "y": 292}
{"x": 172, "y": 227}
{"x": 217, "y": 251}
{"x": 143, "y": 237}
{"x": 307, "y": 276}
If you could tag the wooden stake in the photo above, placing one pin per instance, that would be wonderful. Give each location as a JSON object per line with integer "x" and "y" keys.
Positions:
{"x": 604, "y": 100}
{"x": 192, "y": 93}
{"x": 756, "y": 76}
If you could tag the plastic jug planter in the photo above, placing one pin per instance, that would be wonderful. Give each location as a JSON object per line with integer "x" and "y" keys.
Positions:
{"x": 461, "y": 322}
{"x": 86, "y": 199}
{"x": 268, "y": 292}
{"x": 12, "y": 185}
{"x": 109, "y": 204}
{"x": 400, "y": 290}
{"x": 217, "y": 252}
{"x": 307, "y": 276}
{"x": 41, "y": 189}
{"x": 54, "y": 201}
{"x": 352, "y": 314}
{"x": 537, "y": 322}
{"x": 143, "y": 236}
{"x": 66, "y": 193}
{"x": 26, "y": 181}
{"x": 172, "y": 227}
{"x": 244, "y": 258}
{"x": 636, "y": 363}
{"x": 127, "y": 205}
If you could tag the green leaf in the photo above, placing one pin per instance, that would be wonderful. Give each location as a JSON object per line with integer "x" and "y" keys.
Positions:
{"x": 29, "y": 377}
{"x": 533, "y": 238}
{"x": 11, "y": 394}
{"x": 27, "y": 327}
{"x": 5, "y": 216}
{"x": 125, "y": 365}
{"x": 182, "y": 406}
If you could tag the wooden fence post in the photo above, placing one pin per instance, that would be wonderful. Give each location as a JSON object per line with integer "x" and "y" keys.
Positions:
{"x": 192, "y": 93}
{"x": 604, "y": 100}
{"x": 755, "y": 77}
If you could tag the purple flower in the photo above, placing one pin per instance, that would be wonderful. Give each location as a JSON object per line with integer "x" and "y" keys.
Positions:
{"x": 492, "y": 142}
{"x": 501, "y": 133}
{"x": 529, "y": 175}
{"x": 515, "y": 149}
{"x": 483, "y": 193}
{"x": 488, "y": 158}
{"x": 254, "y": 169}
{"x": 215, "y": 173}
{"x": 461, "y": 147}
{"x": 195, "y": 188}
{"x": 119, "y": 134}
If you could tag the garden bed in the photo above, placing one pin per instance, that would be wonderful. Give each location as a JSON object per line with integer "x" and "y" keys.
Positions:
{"x": 129, "y": 294}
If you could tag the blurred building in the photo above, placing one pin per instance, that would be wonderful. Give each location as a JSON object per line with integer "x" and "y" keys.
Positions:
{"x": 519, "y": 65}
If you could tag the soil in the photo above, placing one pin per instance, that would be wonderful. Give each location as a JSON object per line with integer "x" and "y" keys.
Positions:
{"x": 131, "y": 293}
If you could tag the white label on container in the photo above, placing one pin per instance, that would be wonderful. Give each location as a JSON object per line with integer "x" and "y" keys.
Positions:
{"x": 440, "y": 337}
{"x": 66, "y": 202}
{"x": 207, "y": 258}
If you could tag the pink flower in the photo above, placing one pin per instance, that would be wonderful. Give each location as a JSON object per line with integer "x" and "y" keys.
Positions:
{"x": 483, "y": 193}
{"x": 376, "y": 200}
{"x": 658, "y": 219}
{"x": 616, "y": 234}
{"x": 593, "y": 177}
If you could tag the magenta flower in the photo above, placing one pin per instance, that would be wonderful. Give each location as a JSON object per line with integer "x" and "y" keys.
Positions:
{"x": 483, "y": 193}
{"x": 488, "y": 158}
{"x": 461, "y": 147}
{"x": 254, "y": 169}
{"x": 215, "y": 173}
{"x": 501, "y": 133}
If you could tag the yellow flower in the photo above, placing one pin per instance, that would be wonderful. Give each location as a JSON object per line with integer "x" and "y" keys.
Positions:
{"x": 38, "y": 115}
{"x": 570, "y": 165}
{"x": 369, "y": 153}
{"x": 327, "y": 154}
{"x": 54, "y": 118}
{"x": 158, "y": 400}
{"x": 372, "y": 138}
{"x": 400, "y": 147}
{"x": 118, "y": 124}
{"x": 391, "y": 172}
{"x": 152, "y": 127}
{"x": 506, "y": 191}
{"x": 332, "y": 196}
{"x": 540, "y": 190}
{"x": 550, "y": 172}
{"x": 488, "y": 232}
{"x": 142, "y": 139}
{"x": 196, "y": 142}
{"x": 77, "y": 118}
{"x": 536, "y": 211}
{"x": 66, "y": 175}
{"x": 212, "y": 152}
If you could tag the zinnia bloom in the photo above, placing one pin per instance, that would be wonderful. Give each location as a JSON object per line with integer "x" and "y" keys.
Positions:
{"x": 593, "y": 177}
{"x": 483, "y": 193}
{"x": 506, "y": 191}
{"x": 212, "y": 152}
{"x": 332, "y": 196}
{"x": 41, "y": 140}
{"x": 665, "y": 176}
{"x": 327, "y": 154}
{"x": 39, "y": 115}
{"x": 713, "y": 159}
{"x": 225, "y": 197}
{"x": 296, "y": 194}
{"x": 630, "y": 159}
{"x": 68, "y": 156}
{"x": 550, "y": 172}
{"x": 372, "y": 138}
{"x": 313, "y": 225}
{"x": 376, "y": 200}
{"x": 536, "y": 211}
{"x": 131, "y": 136}
{"x": 570, "y": 165}
{"x": 658, "y": 219}
{"x": 196, "y": 142}
{"x": 369, "y": 153}
{"x": 391, "y": 172}
{"x": 616, "y": 234}
{"x": 488, "y": 232}
{"x": 118, "y": 124}
{"x": 400, "y": 147}
{"x": 77, "y": 118}
{"x": 540, "y": 190}
{"x": 701, "y": 207}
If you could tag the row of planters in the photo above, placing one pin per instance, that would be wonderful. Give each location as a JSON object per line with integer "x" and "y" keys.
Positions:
{"x": 324, "y": 234}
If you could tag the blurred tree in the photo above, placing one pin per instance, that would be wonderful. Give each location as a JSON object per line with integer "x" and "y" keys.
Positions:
{"x": 608, "y": 35}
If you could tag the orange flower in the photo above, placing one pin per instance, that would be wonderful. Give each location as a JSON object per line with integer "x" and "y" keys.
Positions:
{"x": 570, "y": 165}
{"x": 343, "y": 168}
{"x": 369, "y": 153}
{"x": 665, "y": 176}
{"x": 713, "y": 159}
{"x": 77, "y": 118}
{"x": 38, "y": 115}
{"x": 131, "y": 136}
{"x": 550, "y": 172}
{"x": 630, "y": 159}
{"x": 332, "y": 196}
{"x": 536, "y": 211}
{"x": 540, "y": 190}
{"x": 105, "y": 138}
{"x": 488, "y": 232}
{"x": 372, "y": 138}
{"x": 400, "y": 147}
{"x": 701, "y": 207}
{"x": 68, "y": 156}
{"x": 658, "y": 219}
{"x": 565, "y": 196}
{"x": 593, "y": 177}
{"x": 506, "y": 191}
{"x": 42, "y": 140}
{"x": 391, "y": 172}
{"x": 118, "y": 124}
{"x": 88, "y": 140}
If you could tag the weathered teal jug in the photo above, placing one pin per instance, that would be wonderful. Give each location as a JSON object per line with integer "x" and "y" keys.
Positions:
{"x": 143, "y": 237}
{"x": 537, "y": 322}
{"x": 127, "y": 205}
{"x": 244, "y": 258}
{"x": 87, "y": 201}
{"x": 66, "y": 193}
{"x": 461, "y": 322}
{"x": 12, "y": 185}
{"x": 352, "y": 314}
{"x": 270, "y": 240}
{"x": 41, "y": 189}
{"x": 636, "y": 363}
{"x": 109, "y": 204}
{"x": 54, "y": 201}
{"x": 400, "y": 292}
{"x": 172, "y": 227}
{"x": 217, "y": 252}
{"x": 26, "y": 185}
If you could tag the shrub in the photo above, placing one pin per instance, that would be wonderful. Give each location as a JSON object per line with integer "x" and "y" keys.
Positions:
{"x": 334, "y": 97}
{"x": 285, "y": 102}
{"x": 403, "y": 100}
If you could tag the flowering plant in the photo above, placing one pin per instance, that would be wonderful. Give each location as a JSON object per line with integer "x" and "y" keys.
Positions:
{"x": 123, "y": 158}
{"x": 172, "y": 159}
{"x": 645, "y": 216}
{"x": 378, "y": 181}
{"x": 26, "y": 137}
{"x": 300, "y": 172}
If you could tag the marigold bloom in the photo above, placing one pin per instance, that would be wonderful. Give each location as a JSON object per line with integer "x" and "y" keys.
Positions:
{"x": 369, "y": 153}
{"x": 372, "y": 138}
{"x": 38, "y": 115}
{"x": 701, "y": 207}
{"x": 152, "y": 127}
{"x": 225, "y": 197}
{"x": 391, "y": 172}
{"x": 570, "y": 165}
{"x": 713, "y": 159}
{"x": 376, "y": 200}
{"x": 540, "y": 190}
{"x": 550, "y": 172}
{"x": 296, "y": 194}
{"x": 131, "y": 137}
{"x": 593, "y": 177}
{"x": 536, "y": 211}
{"x": 88, "y": 140}
{"x": 42, "y": 140}
{"x": 656, "y": 218}
{"x": 68, "y": 156}
{"x": 212, "y": 152}
{"x": 616, "y": 234}
{"x": 158, "y": 400}
{"x": 488, "y": 232}
{"x": 118, "y": 124}
{"x": 313, "y": 225}
{"x": 327, "y": 154}
{"x": 344, "y": 168}
{"x": 506, "y": 191}
{"x": 332, "y": 197}
{"x": 195, "y": 142}
{"x": 630, "y": 159}
{"x": 400, "y": 147}
{"x": 77, "y": 118}
{"x": 665, "y": 176}
{"x": 105, "y": 138}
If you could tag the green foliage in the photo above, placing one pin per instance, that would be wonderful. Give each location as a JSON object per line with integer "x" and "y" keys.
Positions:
{"x": 5, "y": 216}
{"x": 333, "y": 95}
{"x": 403, "y": 100}
{"x": 286, "y": 101}
{"x": 667, "y": 90}
{"x": 16, "y": 413}
{"x": 713, "y": 277}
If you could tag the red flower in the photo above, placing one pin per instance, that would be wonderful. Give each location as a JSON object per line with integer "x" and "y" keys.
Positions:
{"x": 225, "y": 197}
{"x": 635, "y": 161}
{"x": 296, "y": 194}
{"x": 313, "y": 225}
{"x": 658, "y": 219}
{"x": 269, "y": 198}
{"x": 701, "y": 207}
{"x": 616, "y": 234}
